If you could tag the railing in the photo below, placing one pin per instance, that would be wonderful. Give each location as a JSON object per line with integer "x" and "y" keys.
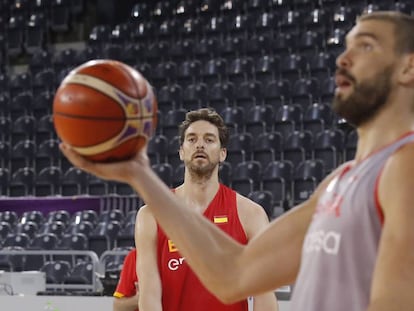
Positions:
{"x": 106, "y": 254}
{"x": 94, "y": 286}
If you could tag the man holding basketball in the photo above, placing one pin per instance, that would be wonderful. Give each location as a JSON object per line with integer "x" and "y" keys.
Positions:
{"x": 350, "y": 246}
{"x": 166, "y": 281}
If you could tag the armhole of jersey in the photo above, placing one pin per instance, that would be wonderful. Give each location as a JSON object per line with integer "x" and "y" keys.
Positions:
{"x": 246, "y": 237}
{"x": 378, "y": 206}
{"x": 376, "y": 190}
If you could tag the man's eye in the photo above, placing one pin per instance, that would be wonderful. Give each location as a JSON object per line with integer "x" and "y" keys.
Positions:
{"x": 366, "y": 46}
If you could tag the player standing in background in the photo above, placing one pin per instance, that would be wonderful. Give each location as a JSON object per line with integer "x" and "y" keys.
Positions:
{"x": 166, "y": 281}
{"x": 126, "y": 294}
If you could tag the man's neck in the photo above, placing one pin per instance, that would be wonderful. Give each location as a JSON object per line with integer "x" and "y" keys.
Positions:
{"x": 382, "y": 131}
{"x": 198, "y": 194}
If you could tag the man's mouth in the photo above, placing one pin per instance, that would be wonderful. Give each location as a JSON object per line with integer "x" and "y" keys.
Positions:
{"x": 342, "y": 81}
{"x": 200, "y": 156}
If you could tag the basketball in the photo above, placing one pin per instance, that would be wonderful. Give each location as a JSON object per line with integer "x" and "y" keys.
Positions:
{"x": 106, "y": 110}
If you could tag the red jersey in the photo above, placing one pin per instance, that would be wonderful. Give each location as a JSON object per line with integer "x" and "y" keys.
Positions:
{"x": 126, "y": 285}
{"x": 181, "y": 289}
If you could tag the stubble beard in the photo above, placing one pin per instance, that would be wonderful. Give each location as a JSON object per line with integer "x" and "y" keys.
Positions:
{"x": 201, "y": 172}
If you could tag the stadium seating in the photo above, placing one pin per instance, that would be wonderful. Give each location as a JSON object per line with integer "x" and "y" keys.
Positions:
{"x": 307, "y": 175}
{"x": 4, "y": 181}
{"x": 265, "y": 199}
{"x": 58, "y": 215}
{"x": 266, "y": 66}
{"x": 56, "y": 227}
{"x": 239, "y": 148}
{"x": 22, "y": 182}
{"x": 126, "y": 236}
{"x": 56, "y": 271}
{"x": 298, "y": 147}
{"x": 45, "y": 241}
{"x": 28, "y": 227}
{"x": 329, "y": 146}
{"x": 104, "y": 236}
{"x": 10, "y": 217}
{"x": 81, "y": 273}
{"x": 74, "y": 182}
{"x": 277, "y": 179}
{"x": 5, "y": 230}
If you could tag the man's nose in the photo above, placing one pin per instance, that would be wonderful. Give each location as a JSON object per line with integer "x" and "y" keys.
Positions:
{"x": 343, "y": 60}
{"x": 200, "y": 144}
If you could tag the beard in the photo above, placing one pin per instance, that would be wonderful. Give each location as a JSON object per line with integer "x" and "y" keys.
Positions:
{"x": 203, "y": 171}
{"x": 367, "y": 98}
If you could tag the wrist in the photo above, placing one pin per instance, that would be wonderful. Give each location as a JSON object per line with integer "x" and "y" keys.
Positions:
{"x": 138, "y": 174}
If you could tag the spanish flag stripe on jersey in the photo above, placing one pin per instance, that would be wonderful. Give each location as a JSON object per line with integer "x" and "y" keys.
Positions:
{"x": 220, "y": 219}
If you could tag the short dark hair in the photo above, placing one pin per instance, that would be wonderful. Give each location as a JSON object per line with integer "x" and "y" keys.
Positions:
{"x": 403, "y": 28}
{"x": 205, "y": 114}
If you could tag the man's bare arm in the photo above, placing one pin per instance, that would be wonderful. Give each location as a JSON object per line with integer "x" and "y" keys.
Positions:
{"x": 224, "y": 273}
{"x": 393, "y": 278}
{"x": 147, "y": 262}
{"x": 254, "y": 220}
{"x": 126, "y": 303}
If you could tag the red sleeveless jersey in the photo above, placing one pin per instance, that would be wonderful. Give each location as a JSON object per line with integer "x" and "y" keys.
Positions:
{"x": 181, "y": 289}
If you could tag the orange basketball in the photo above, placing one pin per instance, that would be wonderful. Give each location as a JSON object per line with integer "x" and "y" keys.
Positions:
{"x": 105, "y": 110}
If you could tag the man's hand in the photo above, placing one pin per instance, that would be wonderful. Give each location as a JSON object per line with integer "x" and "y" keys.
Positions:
{"x": 122, "y": 171}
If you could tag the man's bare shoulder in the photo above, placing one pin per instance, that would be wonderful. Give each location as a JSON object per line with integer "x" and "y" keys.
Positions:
{"x": 402, "y": 158}
{"x": 404, "y": 153}
{"x": 252, "y": 216}
{"x": 249, "y": 208}
{"x": 396, "y": 176}
{"x": 144, "y": 217}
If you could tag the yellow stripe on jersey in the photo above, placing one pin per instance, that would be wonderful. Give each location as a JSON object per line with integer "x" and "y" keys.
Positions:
{"x": 220, "y": 219}
{"x": 118, "y": 295}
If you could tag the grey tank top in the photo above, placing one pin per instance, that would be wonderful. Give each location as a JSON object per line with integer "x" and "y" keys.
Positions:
{"x": 340, "y": 247}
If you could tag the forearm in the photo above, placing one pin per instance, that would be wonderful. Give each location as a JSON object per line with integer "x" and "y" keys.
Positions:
{"x": 389, "y": 304}
{"x": 149, "y": 302}
{"x": 150, "y": 306}
{"x": 265, "y": 302}
{"x": 125, "y": 303}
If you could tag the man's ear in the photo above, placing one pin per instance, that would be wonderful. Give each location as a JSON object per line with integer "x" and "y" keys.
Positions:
{"x": 223, "y": 154}
{"x": 180, "y": 152}
{"x": 407, "y": 73}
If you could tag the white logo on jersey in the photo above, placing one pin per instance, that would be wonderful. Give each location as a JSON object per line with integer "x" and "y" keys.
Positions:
{"x": 320, "y": 240}
{"x": 174, "y": 263}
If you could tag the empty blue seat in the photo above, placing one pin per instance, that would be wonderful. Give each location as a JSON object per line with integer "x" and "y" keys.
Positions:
{"x": 36, "y": 30}
{"x": 329, "y": 146}
{"x": 298, "y": 146}
{"x": 81, "y": 273}
{"x": 4, "y": 181}
{"x": 48, "y": 181}
{"x": 56, "y": 271}
{"x": 265, "y": 199}
{"x": 268, "y": 147}
{"x": 308, "y": 174}
{"x": 22, "y": 182}
{"x": 165, "y": 172}
{"x": 277, "y": 178}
